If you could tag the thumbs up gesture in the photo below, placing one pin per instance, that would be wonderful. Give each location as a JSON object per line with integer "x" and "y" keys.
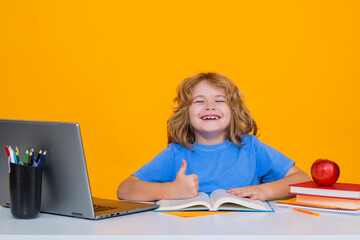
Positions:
{"x": 184, "y": 186}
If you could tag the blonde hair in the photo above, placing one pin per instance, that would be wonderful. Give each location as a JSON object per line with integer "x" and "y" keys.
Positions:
{"x": 178, "y": 126}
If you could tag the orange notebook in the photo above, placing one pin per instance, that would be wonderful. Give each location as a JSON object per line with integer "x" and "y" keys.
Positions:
{"x": 317, "y": 207}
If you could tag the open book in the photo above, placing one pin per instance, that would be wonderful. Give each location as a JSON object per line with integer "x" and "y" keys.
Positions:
{"x": 218, "y": 200}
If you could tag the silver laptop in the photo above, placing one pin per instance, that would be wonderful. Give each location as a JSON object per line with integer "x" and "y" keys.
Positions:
{"x": 65, "y": 183}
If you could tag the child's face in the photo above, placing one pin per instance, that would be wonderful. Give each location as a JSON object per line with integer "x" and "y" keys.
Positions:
{"x": 209, "y": 113}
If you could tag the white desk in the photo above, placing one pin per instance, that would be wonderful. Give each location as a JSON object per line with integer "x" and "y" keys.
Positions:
{"x": 283, "y": 224}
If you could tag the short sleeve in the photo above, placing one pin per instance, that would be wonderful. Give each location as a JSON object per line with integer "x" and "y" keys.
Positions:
{"x": 271, "y": 164}
{"x": 159, "y": 169}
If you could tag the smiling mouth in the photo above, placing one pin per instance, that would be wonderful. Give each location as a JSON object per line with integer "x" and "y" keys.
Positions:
{"x": 210, "y": 118}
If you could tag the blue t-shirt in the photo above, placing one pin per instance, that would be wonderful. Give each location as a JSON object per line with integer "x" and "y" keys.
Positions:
{"x": 220, "y": 166}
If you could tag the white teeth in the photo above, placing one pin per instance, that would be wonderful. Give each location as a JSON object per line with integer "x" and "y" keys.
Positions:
{"x": 210, "y": 118}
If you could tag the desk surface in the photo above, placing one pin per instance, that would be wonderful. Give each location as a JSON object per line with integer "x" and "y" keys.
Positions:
{"x": 284, "y": 223}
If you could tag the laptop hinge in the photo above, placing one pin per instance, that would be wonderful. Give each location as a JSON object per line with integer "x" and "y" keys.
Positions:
{"x": 78, "y": 215}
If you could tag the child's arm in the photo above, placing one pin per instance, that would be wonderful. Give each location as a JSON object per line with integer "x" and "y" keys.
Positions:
{"x": 276, "y": 189}
{"x": 184, "y": 186}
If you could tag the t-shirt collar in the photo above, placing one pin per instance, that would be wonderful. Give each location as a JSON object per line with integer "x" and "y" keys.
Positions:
{"x": 211, "y": 147}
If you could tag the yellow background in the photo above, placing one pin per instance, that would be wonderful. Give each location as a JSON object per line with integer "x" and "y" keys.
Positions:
{"x": 113, "y": 67}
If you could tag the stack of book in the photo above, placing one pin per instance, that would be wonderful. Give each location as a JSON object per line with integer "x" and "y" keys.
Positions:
{"x": 339, "y": 198}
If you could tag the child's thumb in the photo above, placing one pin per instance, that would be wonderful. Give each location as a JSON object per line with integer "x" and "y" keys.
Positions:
{"x": 183, "y": 167}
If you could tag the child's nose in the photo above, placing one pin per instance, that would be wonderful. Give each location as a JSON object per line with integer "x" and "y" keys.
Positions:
{"x": 210, "y": 106}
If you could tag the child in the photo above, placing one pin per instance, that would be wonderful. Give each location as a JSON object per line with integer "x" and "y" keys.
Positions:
{"x": 210, "y": 147}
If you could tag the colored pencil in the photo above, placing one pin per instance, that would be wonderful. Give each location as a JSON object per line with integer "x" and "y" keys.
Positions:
{"x": 38, "y": 156}
{"x": 307, "y": 212}
{"x": 42, "y": 158}
{"x": 17, "y": 155}
{"x": 26, "y": 156}
{"x": 30, "y": 156}
{"x": 12, "y": 155}
{"x": 7, "y": 151}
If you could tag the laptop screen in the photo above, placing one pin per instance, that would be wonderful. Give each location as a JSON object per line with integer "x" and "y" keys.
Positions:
{"x": 65, "y": 185}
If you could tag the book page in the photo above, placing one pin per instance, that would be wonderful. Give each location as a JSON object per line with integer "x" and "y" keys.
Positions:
{"x": 200, "y": 202}
{"x": 221, "y": 200}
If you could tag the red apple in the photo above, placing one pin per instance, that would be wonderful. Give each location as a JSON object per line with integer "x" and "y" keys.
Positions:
{"x": 325, "y": 172}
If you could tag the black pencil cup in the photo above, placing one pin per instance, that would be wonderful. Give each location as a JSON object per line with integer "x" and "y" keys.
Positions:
{"x": 25, "y": 191}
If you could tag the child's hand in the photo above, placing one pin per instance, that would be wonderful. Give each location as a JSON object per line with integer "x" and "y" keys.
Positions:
{"x": 255, "y": 192}
{"x": 184, "y": 186}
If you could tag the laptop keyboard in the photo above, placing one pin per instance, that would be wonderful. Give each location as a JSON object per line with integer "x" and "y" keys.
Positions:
{"x": 99, "y": 208}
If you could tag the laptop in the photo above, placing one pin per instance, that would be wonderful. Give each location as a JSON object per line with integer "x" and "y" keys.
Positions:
{"x": 65, "y": 183}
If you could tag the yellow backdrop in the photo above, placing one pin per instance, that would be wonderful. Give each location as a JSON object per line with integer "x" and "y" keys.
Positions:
{"x": 113, "y": 67}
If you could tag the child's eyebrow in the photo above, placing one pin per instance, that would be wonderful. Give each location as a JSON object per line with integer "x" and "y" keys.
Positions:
{"x": 198, "y": 96}
{"x": 202, "y": 96}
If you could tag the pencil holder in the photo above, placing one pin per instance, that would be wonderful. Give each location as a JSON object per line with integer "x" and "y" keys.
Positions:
{"x": 25, "y": 191}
